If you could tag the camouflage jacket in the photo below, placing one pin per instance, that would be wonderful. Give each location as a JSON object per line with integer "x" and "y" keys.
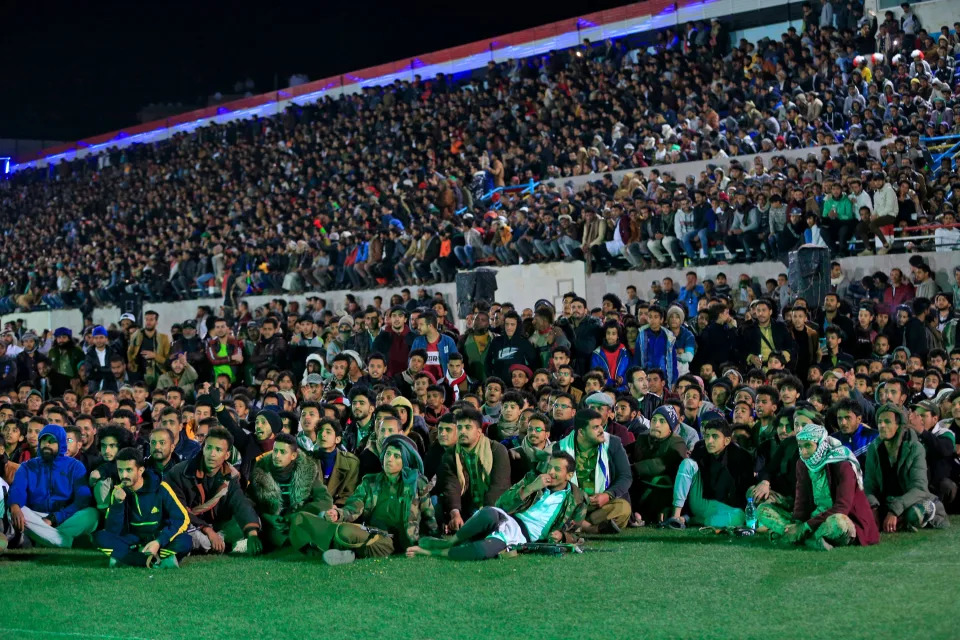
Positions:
{"x": 414, "y": 497}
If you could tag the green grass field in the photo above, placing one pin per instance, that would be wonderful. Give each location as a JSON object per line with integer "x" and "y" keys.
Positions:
{"x": 644, "y": 584}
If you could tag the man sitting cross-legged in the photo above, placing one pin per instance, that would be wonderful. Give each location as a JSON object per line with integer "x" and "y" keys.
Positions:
{"x": 539, "y": 508}
{"x": 283, "y": 484}
{"x": 49, "y": 499}
{"x": 144, "y": 520}
{"x": 658, "y": 454}
{"x": 602, "y": 472}
{"x": 209, "y": 487}
{"x": 712, "y": 483}
{"x": 386, "y": 512}
{"x": 475, "y": 473}
{"x": 830, "y": 507}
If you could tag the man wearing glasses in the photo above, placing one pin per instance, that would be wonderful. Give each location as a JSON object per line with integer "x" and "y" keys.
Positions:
{"x": 524, "y": 449}
{"x": 564, "y": 409}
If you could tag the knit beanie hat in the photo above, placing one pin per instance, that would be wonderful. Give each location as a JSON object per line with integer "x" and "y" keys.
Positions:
{"x": 273, "y": 418}
{"x": 669, "y": 413}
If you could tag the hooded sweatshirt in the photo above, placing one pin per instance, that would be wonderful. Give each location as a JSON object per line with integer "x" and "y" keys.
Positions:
{"x": 57, "y": 488}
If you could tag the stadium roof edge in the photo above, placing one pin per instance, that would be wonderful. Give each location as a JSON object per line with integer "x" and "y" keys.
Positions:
{"x": 637, "y": 17}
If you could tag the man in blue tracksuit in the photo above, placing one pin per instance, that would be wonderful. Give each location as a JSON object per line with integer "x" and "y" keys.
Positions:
{"x": 49, "y": 497}
{"x": 145, "y": 520}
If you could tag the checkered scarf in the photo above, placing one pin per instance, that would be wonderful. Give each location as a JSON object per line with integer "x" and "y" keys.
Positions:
{"x": 829, "y": 451}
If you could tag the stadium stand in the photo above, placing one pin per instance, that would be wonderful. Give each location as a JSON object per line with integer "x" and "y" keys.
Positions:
{"x": 406, "y": 183}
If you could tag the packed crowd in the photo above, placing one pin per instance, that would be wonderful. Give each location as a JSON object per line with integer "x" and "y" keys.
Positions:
{"x": 384, "y": 430}
{"x": 389, "y": 186}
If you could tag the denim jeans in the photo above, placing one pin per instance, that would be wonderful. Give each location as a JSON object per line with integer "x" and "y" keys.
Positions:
{"x": 465, "y": 255}
{"x": 688, "y": 243}
{"x": 548, "y": 248}
{"x": 568, "y": 245}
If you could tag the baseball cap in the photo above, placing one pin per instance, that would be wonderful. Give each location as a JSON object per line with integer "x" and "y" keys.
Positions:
{"x": 599, "y": 399}
{"x": 928, "y": 405}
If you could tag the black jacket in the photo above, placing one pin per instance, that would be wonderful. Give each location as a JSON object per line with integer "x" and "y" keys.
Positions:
{"x": 780, "y": 465}
{"x": 8, "y": 373}
{"x": 504, "y": 352}
{"x": 197, "y": 492}
{"x": 726, "y": 477}
{"x": 716, "y": 344}
{"x": 268, "y": 354}
{"x": 584, "y": 339}
{"x": 751, "y": 339}
{"x": 99, "y": 377}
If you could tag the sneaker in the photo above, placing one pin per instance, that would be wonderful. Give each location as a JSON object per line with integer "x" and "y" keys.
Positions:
{"x": 675, "y": 523}
{"x": 865, "y": 253}
{"x": 334, "y": 557}
{"x": 916, "y": 516}
{"x": 170, "y": 562}
{"x": 240, "y": 547}
{"x": 636, "y": 521}
{"x": 609, "y": 527}
{"x": 884, "y": 250}
{"x": 929, "y": 514}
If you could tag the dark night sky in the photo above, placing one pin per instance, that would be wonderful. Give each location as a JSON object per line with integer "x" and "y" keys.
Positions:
{"x": 79, "y": 69}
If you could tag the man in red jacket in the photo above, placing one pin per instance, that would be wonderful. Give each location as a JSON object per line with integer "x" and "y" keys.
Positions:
{"x": 830, "y": 508}
{"x": 394, "y": 342}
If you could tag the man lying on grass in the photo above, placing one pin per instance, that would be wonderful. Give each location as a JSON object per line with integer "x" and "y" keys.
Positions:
{"x": 540, "y": 508}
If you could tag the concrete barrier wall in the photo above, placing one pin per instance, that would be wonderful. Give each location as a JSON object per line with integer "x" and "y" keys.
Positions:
{"x": 855, "y": 268}
{"x": 681, "y": 170}
{"x": 519, "y": 284}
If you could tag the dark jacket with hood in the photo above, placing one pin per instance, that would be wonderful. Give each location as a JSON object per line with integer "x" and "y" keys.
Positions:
{"x": 504, "y": 352}
{"x": 58, "y": 488}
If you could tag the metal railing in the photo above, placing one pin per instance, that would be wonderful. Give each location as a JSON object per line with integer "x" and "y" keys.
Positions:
{"x": 941, "y": 147}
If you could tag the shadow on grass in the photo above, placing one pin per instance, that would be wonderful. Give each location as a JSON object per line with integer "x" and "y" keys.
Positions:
{"x": 693, "y": 538}
{"x": 56, "y": 557}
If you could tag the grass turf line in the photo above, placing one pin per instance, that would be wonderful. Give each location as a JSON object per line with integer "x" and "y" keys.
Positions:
{"x": 647, "y": 583}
